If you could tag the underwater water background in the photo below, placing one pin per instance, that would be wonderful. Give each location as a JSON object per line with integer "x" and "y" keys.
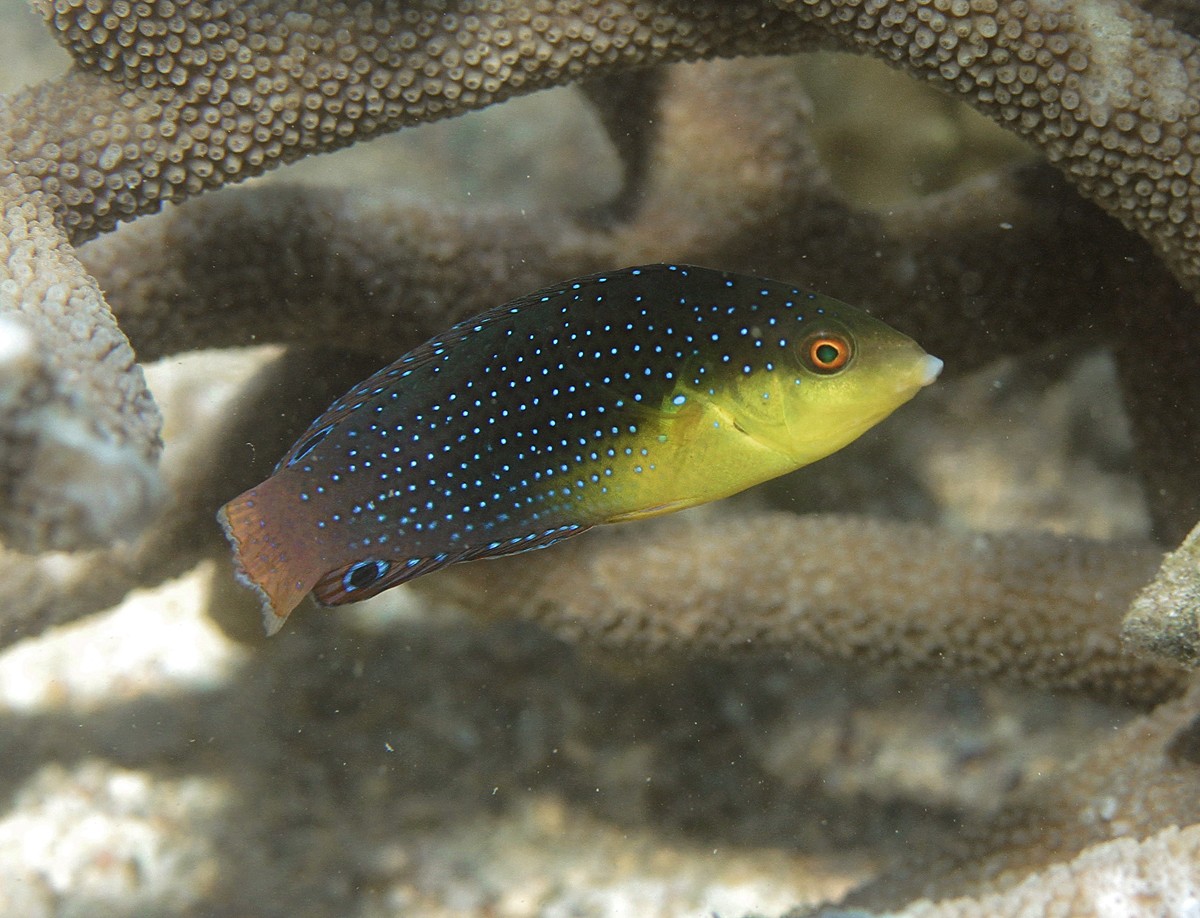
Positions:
{"x": 405, "y": 758}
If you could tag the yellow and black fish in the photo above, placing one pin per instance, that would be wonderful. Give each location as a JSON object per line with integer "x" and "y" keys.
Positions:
{"x": 611, "y": 397}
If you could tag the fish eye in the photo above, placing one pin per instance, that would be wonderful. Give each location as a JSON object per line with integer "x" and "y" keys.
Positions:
{"x": 361, "y": 575}
{"x": 826, "y": 352}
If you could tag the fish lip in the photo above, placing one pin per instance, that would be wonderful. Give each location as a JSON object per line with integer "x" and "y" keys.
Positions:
{"x": 931, "y": 368}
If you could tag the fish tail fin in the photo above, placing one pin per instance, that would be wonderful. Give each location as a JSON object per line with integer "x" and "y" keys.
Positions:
{"x": 264, "y": 559}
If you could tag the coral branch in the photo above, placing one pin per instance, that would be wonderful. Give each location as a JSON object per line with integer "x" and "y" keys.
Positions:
{"x": 174, "y": 99}
{"x": 205, "y": 93}
{"x": 1110, "y": 94}
{"x": 1164, "y": 869}
{"x": 1164, "y": 620}
{"x": 1156, "y": 352}
{"x": 628, "y": 105}
{"x": 1041, "y": 610}
{"x": 78, "y": 427}
{"x": 317, "y": 266}
{"x": 201, "y": 467}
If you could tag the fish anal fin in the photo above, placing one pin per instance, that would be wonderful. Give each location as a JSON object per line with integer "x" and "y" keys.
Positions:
{"x": 532, "y": 542}
{"x": 280, "y": 573}
{"x": 331, "y": 589}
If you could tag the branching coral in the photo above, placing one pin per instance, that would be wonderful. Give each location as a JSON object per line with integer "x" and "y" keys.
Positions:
{"x": 1105, "y": 90}
{"x": 183, "y": 97}
{"x": 1164, "y": 620}
{"x": 73, "y": 404}
{"x": 1156, "y": 876}
{"x": 172, "y": 99}
{"x": 167, "y": 100}
{"x": 843, "y": 589}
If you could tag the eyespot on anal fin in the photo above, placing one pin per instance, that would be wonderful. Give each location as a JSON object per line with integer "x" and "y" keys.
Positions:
{"x": 369, "y": 577}
{"x": 263, "y": 560}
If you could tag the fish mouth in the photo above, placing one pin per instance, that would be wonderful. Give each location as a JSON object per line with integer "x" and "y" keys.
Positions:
{"x": 931, "y": 368}
{"x": 924, "y": 371}
{"x": 927, "y": 369}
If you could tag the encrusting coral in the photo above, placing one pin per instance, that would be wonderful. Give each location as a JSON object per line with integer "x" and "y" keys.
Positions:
{"x": 167, "y": 100}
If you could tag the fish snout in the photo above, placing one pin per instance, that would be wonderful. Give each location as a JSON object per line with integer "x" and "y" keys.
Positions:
{"x": 929, "y": 369}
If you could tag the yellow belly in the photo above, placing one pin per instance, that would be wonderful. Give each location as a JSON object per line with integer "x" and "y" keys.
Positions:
{"x": 678, "y": 460}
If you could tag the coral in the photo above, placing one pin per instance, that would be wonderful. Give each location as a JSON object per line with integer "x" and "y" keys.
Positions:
{"x": 78, "y": 426}
{"x": 183, "y": 98}
{"x": 1164, "y": 619}
{"x": 1156, "y": 876}
{"x": 168, "y": 100}
{"x": 1104, "y": 89}
{"x": 1060, "y": 841}
{"x": 865, "y": 591}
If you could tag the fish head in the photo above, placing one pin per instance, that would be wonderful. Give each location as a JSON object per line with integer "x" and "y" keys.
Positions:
{"x": 849, "y": 371}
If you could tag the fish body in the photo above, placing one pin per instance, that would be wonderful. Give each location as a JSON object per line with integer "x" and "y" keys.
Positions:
{"x": 605, "y": 398}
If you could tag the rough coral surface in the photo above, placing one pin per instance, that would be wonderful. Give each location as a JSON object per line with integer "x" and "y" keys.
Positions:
{"x": 1108, "y": 92}
{"x": 962, "y": 602}
{"x": 78, "y": 426}
{"x": 171, "y": 99}
{"x": 174, "y": 98}
{"x": 1124, "y": 877}
{"x": 1122, "y": 802}
{"x": 1164, "y": 620}
{"x": 167, "y": 100}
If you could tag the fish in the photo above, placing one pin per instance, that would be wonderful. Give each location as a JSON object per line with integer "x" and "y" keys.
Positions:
{"x": 601, "y": 399}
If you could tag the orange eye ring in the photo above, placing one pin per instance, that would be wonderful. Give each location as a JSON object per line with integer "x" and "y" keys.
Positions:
{"x": 827, "y": 353}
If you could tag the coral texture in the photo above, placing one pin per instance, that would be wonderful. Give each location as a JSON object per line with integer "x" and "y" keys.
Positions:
{"x": 78, "y": 426}
{"x": 1155, "y": 876}
{"x": 866, "y": 591}
{"x": 1060, "y": 841}
{"x": 1164, "y": 619}
{"x": 169, "y": 99}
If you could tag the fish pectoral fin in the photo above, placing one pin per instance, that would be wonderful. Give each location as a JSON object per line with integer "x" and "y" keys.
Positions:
{"x": 730, "y": 422}
{"x": 657, "y": 510}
